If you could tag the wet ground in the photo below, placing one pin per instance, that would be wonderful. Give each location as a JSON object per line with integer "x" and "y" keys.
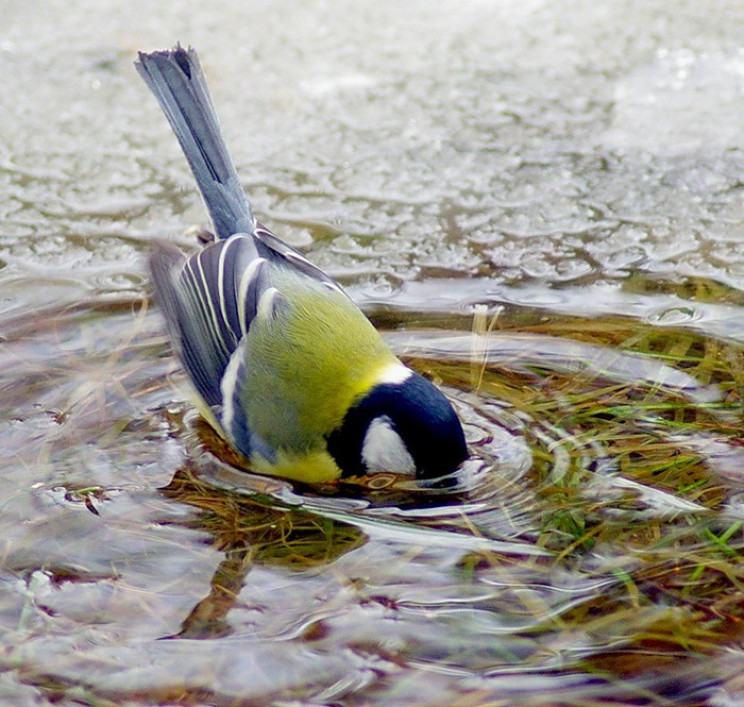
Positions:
{"x": 575, "y": 169}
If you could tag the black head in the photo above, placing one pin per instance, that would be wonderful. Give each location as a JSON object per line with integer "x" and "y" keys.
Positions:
{"x": 405, "y": 427}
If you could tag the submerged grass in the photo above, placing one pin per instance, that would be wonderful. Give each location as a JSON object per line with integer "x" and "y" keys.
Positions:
{"x": 639, "y": 480}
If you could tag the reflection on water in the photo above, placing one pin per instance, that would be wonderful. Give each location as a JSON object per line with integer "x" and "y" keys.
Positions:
{"x": 578, "y": 165}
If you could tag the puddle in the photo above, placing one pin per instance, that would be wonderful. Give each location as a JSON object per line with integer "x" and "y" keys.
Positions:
{"x": 519, "y": 161}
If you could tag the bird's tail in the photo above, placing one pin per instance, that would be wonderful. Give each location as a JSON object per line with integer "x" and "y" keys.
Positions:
{"x": 175, "y": 78}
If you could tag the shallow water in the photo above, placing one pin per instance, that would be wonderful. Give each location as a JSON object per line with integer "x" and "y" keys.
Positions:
{"x": 574, "y": 169}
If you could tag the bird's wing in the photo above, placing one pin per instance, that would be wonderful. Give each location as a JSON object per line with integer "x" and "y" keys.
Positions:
{"x": 277, "y": 250}
{"x": 211, "y": 297}
{"x": 209, "y": 300}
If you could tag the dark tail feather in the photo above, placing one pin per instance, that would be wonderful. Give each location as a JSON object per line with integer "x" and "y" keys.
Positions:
{"x": 175, "y": 78}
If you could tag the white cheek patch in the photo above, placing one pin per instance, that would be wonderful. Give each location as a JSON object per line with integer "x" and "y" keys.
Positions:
{"x": 384, "y": 451}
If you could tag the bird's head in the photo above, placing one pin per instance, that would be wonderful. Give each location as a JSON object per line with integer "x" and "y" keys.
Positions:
{"x": 405, "y": 426}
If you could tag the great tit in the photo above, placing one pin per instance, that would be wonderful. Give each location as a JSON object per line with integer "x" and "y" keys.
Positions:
{"x": 288, "y": 369}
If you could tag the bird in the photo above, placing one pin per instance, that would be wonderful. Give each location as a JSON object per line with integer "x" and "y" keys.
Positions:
{"x": 287, "y": 369}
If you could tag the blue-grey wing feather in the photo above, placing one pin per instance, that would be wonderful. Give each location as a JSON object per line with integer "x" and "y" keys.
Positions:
{"x": 209, "y": 300}
{"x": 277, "y": 250}
{"x": 187, "y": 322}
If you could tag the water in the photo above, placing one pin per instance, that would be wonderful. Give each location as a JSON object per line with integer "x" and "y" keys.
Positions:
{"x": 574, "y": 169}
